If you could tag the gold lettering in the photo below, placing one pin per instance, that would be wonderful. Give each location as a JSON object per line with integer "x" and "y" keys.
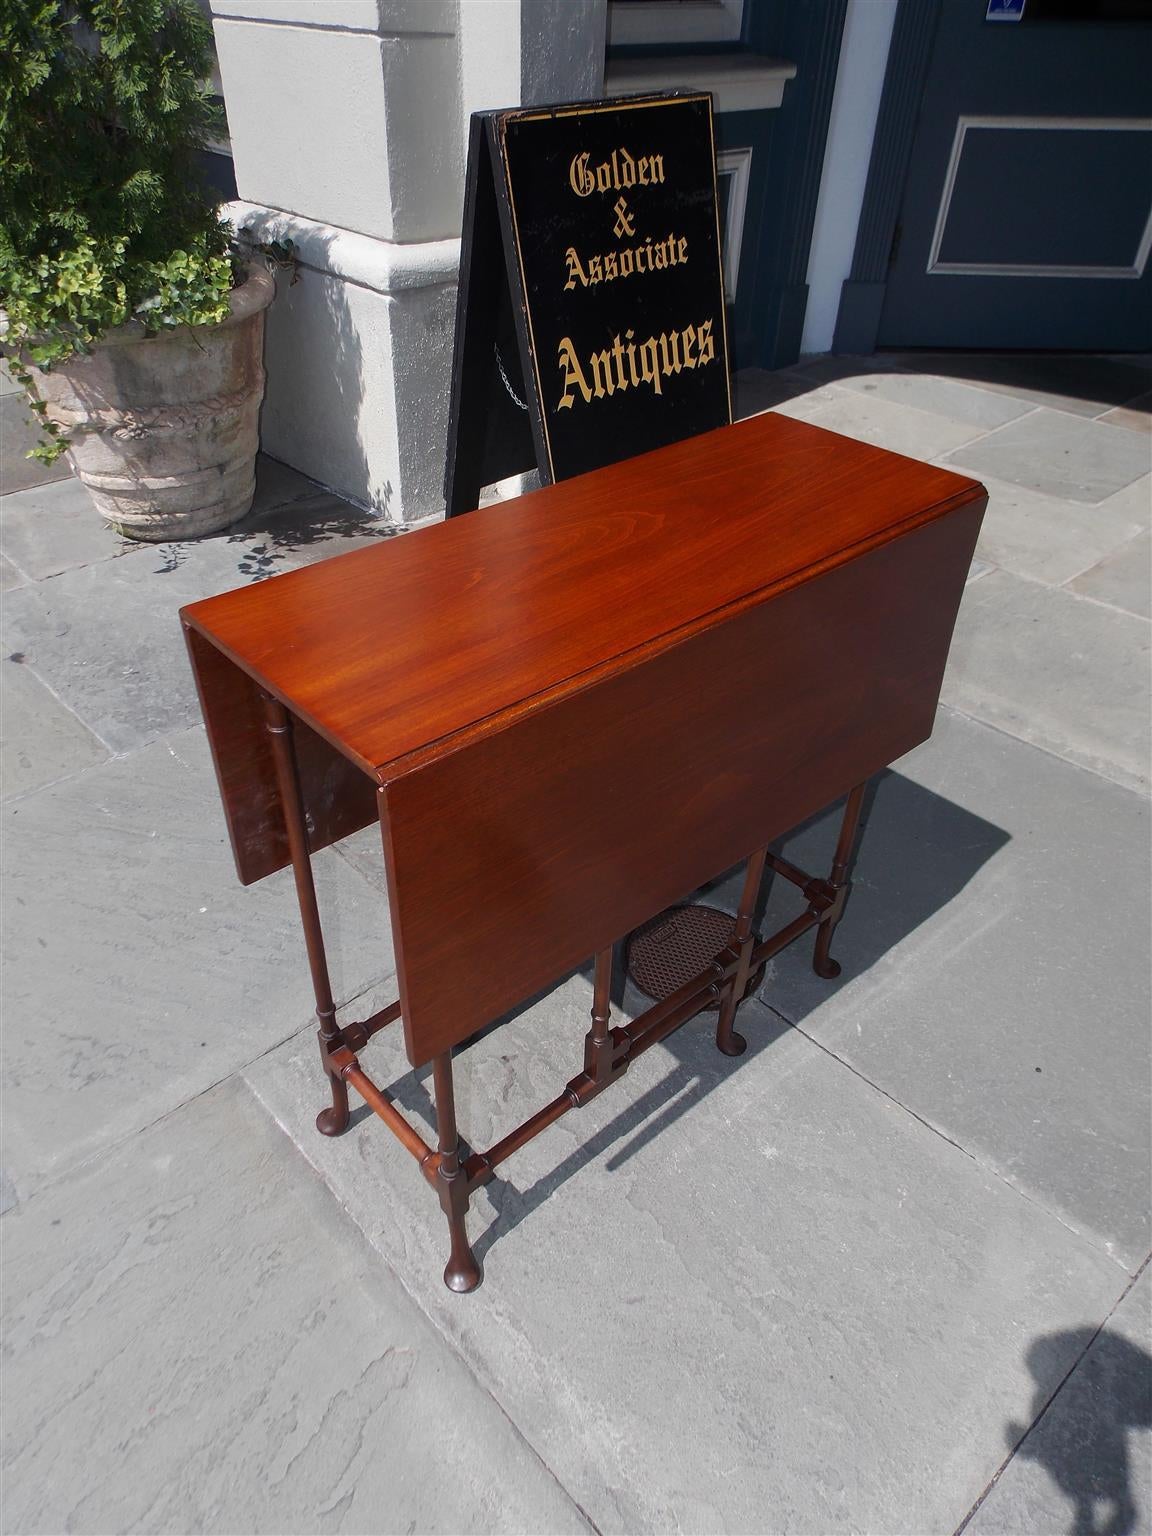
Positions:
{"x": 649, "y": 364}
{"x": 616, "y": 174}
{"x": 625, "y": 260}
{"x": 618, "y": 354}
{"x": 573, "y": 374}
{"x": 627, "y": 363}
{"x": 578, "y": 175}
{"x": 670, "y": 352}
{"x": 602, "y": 383}
{"x": 625, "y": 221}
{"x": 575, "y": 270}
{"x": 632, "y": 357}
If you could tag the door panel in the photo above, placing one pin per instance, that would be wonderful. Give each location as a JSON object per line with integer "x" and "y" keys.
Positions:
{"x": 1027, "y": 213}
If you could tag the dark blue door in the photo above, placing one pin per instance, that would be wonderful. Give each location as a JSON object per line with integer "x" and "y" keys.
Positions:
{"x": 1027, "y": 213}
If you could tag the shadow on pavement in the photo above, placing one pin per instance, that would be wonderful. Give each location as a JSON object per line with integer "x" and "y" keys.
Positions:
{"x": 1080, "y": 1434}
{"x": 919, "y": 851}
{"x": 1080, "y": 378}
{"x": 915, "y": 852}
{"x": 1111, "y": 381}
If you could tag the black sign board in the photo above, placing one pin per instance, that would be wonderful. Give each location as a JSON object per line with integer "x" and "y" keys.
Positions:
{"x": 590, "y": 322}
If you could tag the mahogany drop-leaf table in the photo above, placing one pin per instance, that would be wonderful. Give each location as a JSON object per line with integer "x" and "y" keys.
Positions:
{"x": 569, "y": 710}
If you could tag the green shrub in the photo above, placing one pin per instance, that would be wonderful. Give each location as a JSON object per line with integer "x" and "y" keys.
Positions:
{"x": 104, "y": 216}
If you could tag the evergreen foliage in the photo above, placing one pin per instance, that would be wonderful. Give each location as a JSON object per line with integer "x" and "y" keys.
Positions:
{"x": 104, "y": 216}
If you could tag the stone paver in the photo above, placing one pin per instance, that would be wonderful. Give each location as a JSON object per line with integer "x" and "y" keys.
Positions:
{"x": 827, "y": 1287}
{"x": 1087, "y": 1465}
{"x": 1082, "y": 386}
{"x": 901, "y": 428}
{"x": 55, "y": 527}
{"x": 199, "y": 1340}
{"x": 137, "y": 971}
{"x": 18, "y": 433}
{"x": 106, "y": 637}
{"x": 364, "y": 852}
{"x": 1123, "y": 579}
{"x": 1137, "y": 414}
{"x": 756, "y": 390}
{"x": 1056, "y": 670}
{"x": 980, "y": 408}
{"x": 1049, "y": 540}
{"x": 313, "y": 527}
{"x": 995, "y": 964}
{"x": 40, "y": 740}
{"x": 1134, "y": 500}
{"x": 817, "y": 397}
{"x": 751, "y": 1296}
{"x": 1059, "y": 455}
{"x": 833, "y": 369}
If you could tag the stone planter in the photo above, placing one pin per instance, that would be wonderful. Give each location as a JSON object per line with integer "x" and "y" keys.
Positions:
{"x": 164, "y": 429}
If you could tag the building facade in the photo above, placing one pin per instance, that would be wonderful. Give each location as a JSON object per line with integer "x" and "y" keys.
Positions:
{"x": 893, "y": 173}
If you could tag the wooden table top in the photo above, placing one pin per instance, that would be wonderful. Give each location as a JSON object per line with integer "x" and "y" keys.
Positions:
{"x": 398, "y": 649}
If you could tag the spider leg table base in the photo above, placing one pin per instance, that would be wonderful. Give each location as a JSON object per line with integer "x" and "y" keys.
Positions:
{"x": 720, "y": 985}
{"x": 564, "y": 712}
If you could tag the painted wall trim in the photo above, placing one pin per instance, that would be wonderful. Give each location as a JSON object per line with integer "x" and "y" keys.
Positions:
{"x": 384, "y": 266}
{"x": 736, "y": 163}
{"x": 851, "y": 130}
{"x": 739, "y": 82}
{"x": 1134, "y": 269}
{"x": 862, "y": 295}
{"x": 675, "y": 21}
{"x": 812, "y": 35}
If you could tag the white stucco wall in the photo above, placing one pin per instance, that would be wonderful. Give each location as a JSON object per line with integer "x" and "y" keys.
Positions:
{"x": 349, "y": 123}
{"x": 851, "y": 129}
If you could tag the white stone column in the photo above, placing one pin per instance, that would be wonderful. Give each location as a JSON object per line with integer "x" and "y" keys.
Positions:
{"x": 348, "y": 121}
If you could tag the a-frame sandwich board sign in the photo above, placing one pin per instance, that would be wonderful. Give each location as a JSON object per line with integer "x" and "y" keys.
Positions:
{"x": 590, "y": 321}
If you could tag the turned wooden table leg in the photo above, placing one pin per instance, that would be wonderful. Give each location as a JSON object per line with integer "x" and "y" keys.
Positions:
{"x": 822, "y": 962}
{"x": 598, "y": 1043}
{"x": 742, "y": 943}
{"x": 329, "y": 1122}
{"x": 461, "y": 1273}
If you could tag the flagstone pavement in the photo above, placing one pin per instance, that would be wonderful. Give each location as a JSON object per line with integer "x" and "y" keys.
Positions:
{"x": 885, "y": 1273}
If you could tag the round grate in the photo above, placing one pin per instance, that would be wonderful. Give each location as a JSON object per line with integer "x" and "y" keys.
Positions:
{"x": 677, "y": 945}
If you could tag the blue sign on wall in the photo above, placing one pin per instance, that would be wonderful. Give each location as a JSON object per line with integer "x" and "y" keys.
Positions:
{"x": 1005, "y": 10}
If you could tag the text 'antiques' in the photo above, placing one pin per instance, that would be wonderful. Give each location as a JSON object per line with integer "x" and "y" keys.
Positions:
{"x": 626, "y": 363}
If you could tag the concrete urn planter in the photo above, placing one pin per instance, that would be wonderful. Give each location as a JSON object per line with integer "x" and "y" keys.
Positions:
{"x": 164, "y": 429}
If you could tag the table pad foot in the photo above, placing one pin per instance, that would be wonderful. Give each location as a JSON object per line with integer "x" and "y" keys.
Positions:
{"x": 332, "y": 1122}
